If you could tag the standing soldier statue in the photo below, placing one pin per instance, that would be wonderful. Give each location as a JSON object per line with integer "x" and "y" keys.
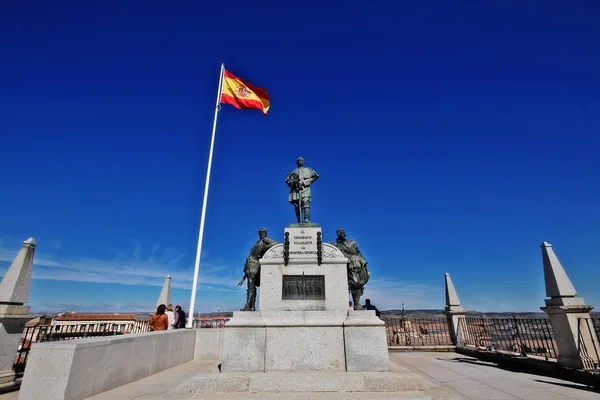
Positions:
{"x": 299, "y": 181}
{"x": 358, "y": 273}
{"x": 252, "y": 268}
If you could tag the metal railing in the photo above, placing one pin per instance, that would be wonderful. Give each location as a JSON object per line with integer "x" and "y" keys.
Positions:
{"x": 405, "y": 331}
{"x": 38, "y": 334}
{"x": 596, "y": 324}
{"x": 587, "y": 342}
{"x": 524, "y": 336}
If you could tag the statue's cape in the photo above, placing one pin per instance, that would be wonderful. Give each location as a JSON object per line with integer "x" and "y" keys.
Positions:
{"x": 347, "y": 247}
{"x": 358, "y": 272}
{"x": 256, "y": 253}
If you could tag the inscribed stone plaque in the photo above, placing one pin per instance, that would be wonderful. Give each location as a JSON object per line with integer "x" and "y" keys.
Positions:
{"x": 303, "y": 287}
{"x": 303, "y": 241}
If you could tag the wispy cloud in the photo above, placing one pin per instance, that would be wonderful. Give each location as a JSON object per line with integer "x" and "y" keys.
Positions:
{"x": 92, "y": 307}
{"x": 389, "y": 293}
{"x": 148, "y": 265}
{"x": 133, "y": 266}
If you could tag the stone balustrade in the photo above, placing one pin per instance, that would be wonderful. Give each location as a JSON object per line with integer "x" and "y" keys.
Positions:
{"x": 78, "y": 369}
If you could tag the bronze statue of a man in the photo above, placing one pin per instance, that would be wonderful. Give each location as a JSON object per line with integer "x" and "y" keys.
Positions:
{"x": 299, "y": 181}
{"x": 358, "y": 273}
{"x": 252, "y": 268}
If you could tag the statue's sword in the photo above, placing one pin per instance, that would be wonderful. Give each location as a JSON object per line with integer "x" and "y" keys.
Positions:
{"x": 300, "y": 181}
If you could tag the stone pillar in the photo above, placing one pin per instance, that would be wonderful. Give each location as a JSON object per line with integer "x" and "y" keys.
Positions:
{"x": 454, "y": 310}
{"x": 165, "y": 293}
{"x": 565, "y": 309}
{"x": 14, "y": 292}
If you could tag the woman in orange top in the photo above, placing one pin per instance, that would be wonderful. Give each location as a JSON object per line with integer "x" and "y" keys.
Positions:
{"x": 159, "y": 321}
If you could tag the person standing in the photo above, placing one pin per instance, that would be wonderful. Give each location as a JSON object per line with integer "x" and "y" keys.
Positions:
{"x": 159, "y": 320}
{"x": 170, "y": 316}
{"x": 369, "y": 306}
{"x": 179, "y": 318}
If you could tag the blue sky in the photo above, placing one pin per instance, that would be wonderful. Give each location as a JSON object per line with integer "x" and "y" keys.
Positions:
{"x": 449, "y": 137}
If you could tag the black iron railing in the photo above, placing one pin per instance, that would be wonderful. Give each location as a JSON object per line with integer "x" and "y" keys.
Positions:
{"x": 406, "y": 331}
{"x": 587, "y": 342}
{"x": 596, "y": 325}
{"x": 38, "y": 334}
{"x": 524, "y": 336}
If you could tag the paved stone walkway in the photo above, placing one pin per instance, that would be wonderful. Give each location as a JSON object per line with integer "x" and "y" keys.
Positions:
{"x": 447, "y": 375}
{"x": 9, "y": 396}
{"x": 468, "y": 378}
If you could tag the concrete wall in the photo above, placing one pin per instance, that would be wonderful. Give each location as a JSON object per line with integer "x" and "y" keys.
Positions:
{"x": 209, "y": 344}
{"x": 78, "y": 369}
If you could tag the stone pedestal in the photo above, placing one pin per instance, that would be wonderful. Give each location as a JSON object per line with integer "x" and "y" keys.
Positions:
{"x": 569, "y": 337}
{"x": 244, "y": 343}
{"x": 281, "y": 286}
{"x": 455, "y": 318}
{"x": 11, "y": 330}
{"x": 365, "y": 342}
{"x": 300, "y": 341}
{"x": 303, "y": 324}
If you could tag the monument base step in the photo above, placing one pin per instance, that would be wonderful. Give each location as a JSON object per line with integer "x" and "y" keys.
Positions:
{"x": 412, "y": 395}
{"x": 304, "y": 382}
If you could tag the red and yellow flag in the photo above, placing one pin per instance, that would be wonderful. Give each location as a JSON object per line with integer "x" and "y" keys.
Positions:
{"x": 242, "y": 95}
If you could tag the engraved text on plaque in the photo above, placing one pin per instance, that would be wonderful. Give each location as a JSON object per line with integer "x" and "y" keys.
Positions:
{"x": 303, "y": 287}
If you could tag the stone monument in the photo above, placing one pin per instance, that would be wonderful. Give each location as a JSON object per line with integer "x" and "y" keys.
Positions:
{"x": 302, "y": 337}
{"x": 303, "y": 323}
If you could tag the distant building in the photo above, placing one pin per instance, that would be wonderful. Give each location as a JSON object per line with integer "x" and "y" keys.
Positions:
{"x": 42, "y": 320}
{"x": 75, "y": 323}
{"x": 80, "y": 319}
{"x": 32, "y": 329}
{"x": 212, "y": 320}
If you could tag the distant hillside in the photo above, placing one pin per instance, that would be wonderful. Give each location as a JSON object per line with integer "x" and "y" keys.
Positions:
{"x": 441, "y": 313}
{"x": 426, "y": 313}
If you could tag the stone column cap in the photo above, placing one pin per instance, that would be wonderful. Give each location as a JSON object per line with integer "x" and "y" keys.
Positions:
{"x": 14, "y": 288}
{"x": 452, "y": 299}
{"x": 556, "y": 279}
{"x": 165, "y": 293}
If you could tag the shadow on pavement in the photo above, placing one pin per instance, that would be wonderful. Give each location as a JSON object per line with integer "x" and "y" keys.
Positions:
{"x": 480, "y": 363}
{"x": 517, "y": 370}
{"x": 570, "y": 385}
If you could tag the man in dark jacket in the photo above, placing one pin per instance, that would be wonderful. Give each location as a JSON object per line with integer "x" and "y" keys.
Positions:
{"x": 369, "y": 306}
{"x": 179, "y": 318}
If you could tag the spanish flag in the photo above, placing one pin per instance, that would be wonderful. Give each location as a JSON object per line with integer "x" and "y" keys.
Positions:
{"x": 243, "y": 95}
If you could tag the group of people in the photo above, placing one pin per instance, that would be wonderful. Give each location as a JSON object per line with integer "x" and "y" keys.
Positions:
{"x": 166, "y": 319}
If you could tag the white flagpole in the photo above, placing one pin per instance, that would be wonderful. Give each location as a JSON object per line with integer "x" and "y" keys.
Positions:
{"x": 203, "y": 215}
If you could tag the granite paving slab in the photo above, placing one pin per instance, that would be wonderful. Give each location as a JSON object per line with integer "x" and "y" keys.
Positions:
{"x": 451, "y": 374}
